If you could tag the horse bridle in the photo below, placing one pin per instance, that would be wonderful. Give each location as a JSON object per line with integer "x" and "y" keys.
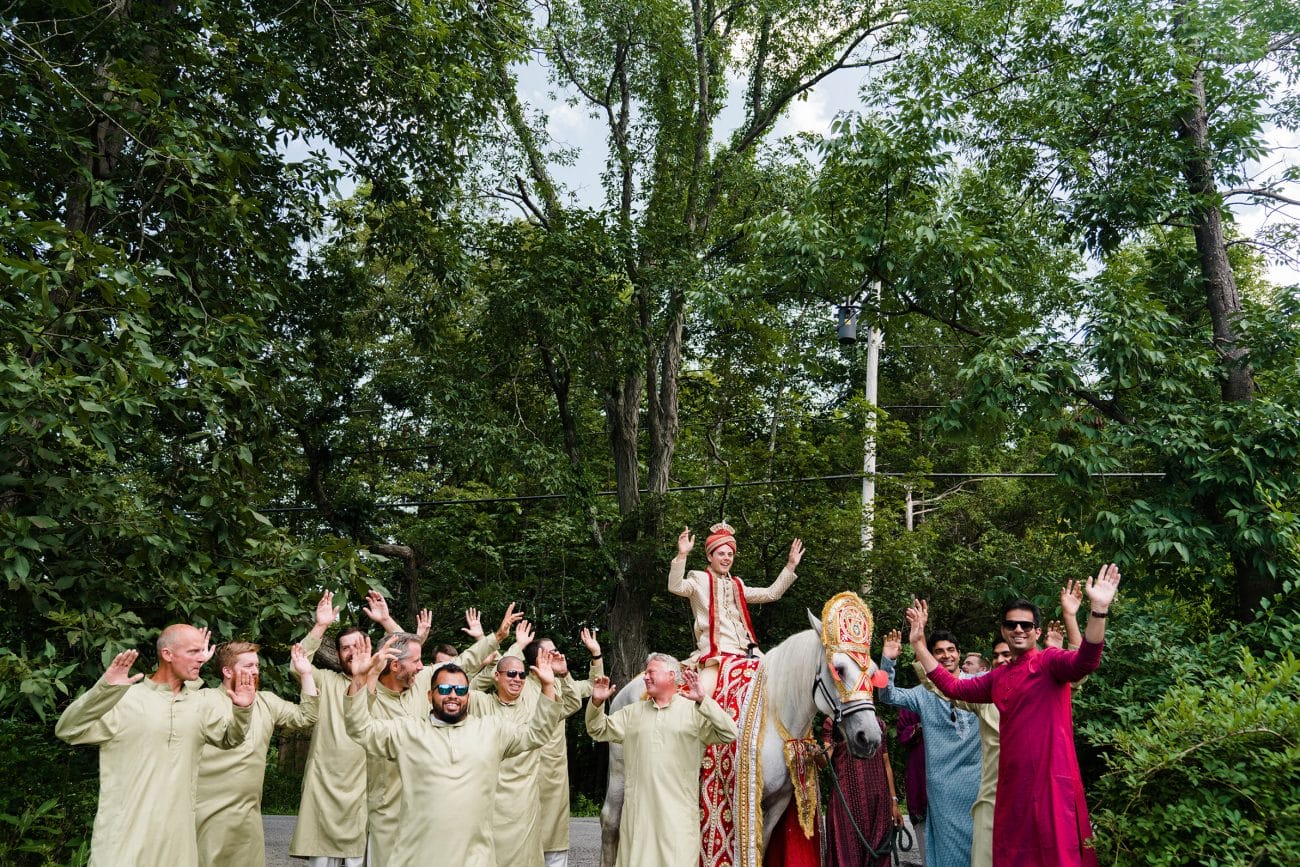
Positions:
{"x": 841, "y": 709}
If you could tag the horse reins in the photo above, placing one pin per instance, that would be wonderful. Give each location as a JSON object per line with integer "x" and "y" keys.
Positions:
{"x": 890, "y": 845}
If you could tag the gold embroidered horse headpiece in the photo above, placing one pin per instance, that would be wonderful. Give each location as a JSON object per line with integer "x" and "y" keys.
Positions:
{"x": 846, "y": 628}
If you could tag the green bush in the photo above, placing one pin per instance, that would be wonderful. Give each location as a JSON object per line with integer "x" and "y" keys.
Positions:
{"x": 1199, "y": 736}
{"x": 47, "y": 804}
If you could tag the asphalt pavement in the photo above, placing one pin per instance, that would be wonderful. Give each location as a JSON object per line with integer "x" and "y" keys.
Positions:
{"x": 584, "y": 843}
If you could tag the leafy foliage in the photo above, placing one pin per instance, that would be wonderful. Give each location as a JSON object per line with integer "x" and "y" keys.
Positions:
{"x": 1201, "y": 744}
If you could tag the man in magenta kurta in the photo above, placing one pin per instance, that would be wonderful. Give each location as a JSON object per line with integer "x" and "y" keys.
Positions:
{"x": 1040, "y": 816}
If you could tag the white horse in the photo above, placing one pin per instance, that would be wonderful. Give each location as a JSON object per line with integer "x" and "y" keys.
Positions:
{"x": 799, "y": 683}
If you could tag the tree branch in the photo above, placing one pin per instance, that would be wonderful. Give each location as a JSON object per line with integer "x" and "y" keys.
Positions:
{"x": 1108, "y": 408}
{"x": 1261, "y": 194}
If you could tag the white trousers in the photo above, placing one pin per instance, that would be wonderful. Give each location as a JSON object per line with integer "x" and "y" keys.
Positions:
{"x": 326, "y": 861}
{"x": 557, "y": 858}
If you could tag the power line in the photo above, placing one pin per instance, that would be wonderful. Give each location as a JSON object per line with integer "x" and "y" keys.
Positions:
{"x": 413, "y": 504}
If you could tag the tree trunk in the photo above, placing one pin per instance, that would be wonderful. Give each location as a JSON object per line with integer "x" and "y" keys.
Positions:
{"x": 1222, "y": 297}
{"x": 410, "y": 575}
{"x": 1237, "y": 383}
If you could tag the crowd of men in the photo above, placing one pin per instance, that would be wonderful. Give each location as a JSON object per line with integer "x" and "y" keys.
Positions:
{"x": 463, "y": 761}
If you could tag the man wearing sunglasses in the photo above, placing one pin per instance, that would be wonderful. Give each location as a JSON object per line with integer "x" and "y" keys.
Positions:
{"x": 1040, "y": 816}
{"x": 448, "y": 763}
{"x": 518, "y": 843}
{"x": 403, "y": 691}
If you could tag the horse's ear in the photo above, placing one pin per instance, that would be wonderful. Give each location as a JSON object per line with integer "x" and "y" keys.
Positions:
{"x": 816, "y": 624}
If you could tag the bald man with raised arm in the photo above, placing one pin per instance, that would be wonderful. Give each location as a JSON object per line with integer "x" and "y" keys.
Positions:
{"x": 150, "y": 732}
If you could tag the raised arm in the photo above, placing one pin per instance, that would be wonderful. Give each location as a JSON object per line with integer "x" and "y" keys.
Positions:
{"x": 376, "y": 608}
{"x": 677, "y": 582}
{"x": 520, "y": 738}
{"x": 376, "y": 737}
{"x": 600, "y": 725}
{"x": 891, "y": 694}
{"x": 227, "y": 729}
{"x": 1101, "y": 592}
{"x": 1071, "y": 597}
{"x": 300, "y": 665}
{"x": 985, "y": 711}
{"x": 777, "y": 588}
{"x": 325, "y": 615}
{"x": 83, "y": 722}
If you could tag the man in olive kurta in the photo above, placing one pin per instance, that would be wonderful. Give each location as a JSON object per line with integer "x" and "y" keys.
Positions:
{"x": 402, "y": 691}
{"x": 448, "y": 763}
{"x": 229, "y": 805}
{"x": 331, "y": 826}
{"x": 553, "y": 757}
{"x": 150, "y": 733}
{"x": 663, "y": 742}
{"x": 517, "y": 841}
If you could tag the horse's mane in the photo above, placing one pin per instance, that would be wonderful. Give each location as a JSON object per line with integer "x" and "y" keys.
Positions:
{"x": 789, "y": 666}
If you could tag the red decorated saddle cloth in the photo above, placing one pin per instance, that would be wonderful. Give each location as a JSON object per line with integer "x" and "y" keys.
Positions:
{"x": 719, "y": 774}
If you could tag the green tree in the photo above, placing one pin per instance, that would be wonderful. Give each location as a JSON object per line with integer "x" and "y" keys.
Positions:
{"x": 1127, "y": 117}
{"x": 150, "y": 224}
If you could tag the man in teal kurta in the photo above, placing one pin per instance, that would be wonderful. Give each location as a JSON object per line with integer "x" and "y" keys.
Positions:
{"x": 952, "y": 756}
{"x": 150, "y": 732}
{"x": 663, "y": 742}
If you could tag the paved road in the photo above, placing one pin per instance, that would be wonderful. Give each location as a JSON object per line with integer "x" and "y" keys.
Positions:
{"x": 584, "y": 840}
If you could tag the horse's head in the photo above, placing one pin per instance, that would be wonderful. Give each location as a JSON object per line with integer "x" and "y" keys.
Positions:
{"x": 846, "y": 673}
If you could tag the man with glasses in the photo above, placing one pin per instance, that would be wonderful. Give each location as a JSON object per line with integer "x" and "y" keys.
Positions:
{"x": 402, "y": 690}
{"x": 1041, "y": 816}
{"x": 952, "y": 752}
{"x": 448, "y": 763}
{"x": 517, "y": 843}
{"x": 663, "y": 742}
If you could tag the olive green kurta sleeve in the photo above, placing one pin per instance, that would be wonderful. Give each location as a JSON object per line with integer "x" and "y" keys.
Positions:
{"x": 149, "y": 740}
{"x": 229, "y": 795}
{"x": 474, "y": 658}
{"x": 663, "y": 748}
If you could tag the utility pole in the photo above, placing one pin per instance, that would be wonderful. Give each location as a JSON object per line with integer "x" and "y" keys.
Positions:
{"x": 847, "y": 328}
{"x": 874, "y": 340}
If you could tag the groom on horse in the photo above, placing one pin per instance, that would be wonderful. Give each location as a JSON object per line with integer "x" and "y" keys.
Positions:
{"x": 719, "y": 600}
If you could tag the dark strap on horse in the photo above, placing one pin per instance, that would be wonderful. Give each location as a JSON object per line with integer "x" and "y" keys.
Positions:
{"x": 891, "y": 844}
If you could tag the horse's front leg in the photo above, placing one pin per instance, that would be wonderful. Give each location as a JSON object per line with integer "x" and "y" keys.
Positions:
{"x": 777, "y": 790}
{"x": 612, "y": 810}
